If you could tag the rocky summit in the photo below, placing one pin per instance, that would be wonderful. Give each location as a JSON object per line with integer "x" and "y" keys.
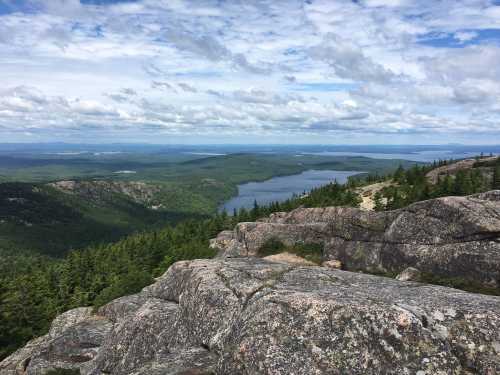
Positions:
{"x": 452, "y": 237}
{"x": 253, "y": 316}
{"x": 239, "y": 314}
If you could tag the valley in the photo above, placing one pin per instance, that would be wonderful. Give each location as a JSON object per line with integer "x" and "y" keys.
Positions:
{"x": 51, "y": 206}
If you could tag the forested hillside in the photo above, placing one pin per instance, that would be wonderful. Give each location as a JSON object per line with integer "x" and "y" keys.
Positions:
{"x": 44, "y": 220}
{"x": 415, "y": 184}
{"x": 43, "y": 214}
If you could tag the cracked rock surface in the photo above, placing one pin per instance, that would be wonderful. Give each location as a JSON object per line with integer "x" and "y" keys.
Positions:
{"x": 449, "y": 237}
{"x": 253, "y": 316}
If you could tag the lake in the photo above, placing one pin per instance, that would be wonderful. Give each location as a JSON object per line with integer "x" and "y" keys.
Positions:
{"x": 281, "y": 188}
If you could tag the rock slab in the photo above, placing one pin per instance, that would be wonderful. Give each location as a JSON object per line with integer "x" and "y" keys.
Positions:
{"x": 452, "y": 237}
{"x": 253, "y": 316}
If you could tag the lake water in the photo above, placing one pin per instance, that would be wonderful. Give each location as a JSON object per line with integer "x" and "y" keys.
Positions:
{"x": 279, "y": 189}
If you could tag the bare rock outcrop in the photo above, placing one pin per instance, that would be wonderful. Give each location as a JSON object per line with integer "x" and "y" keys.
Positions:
{"x": 456, "y": 237}
{"x": 239, "y": 314}
{"x": 253, "y": 316}
{"x": 452, "y": 169}
{"x": 95, "y": 190}
{"x": 73, "y": 341}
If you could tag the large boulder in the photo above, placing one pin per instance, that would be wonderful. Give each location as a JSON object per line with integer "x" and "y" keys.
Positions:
{"x": 253, "y": 316}
{"x": 73, "y": 341}
{"x": 452, "y": 237}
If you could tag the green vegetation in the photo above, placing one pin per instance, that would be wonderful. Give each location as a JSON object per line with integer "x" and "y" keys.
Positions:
{"x": 271, "y": 247}
{"x": 411, "y": 186}
{"x": 33, "y": 289}
{"x": 496, "y": 176}
{"x": 310, "y": 251}
{"x": 333, "y": 194}
{"x": 451, "y": 282}
{"x": 459, "y": 283}
{"x": 44, "y": 220}
{"x": 186, "y": 171}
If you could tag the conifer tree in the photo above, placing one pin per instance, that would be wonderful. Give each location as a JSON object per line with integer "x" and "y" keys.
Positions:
{"x": 399, "y": 175}
{"x": 496, "y": 176}
{"x": 377, "y": 200}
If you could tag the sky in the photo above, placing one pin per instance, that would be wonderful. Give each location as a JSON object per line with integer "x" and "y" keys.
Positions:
{"x": 250, "y": 71}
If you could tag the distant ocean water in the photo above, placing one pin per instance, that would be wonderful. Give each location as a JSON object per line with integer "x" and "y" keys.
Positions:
{"x": 421, "y": 156}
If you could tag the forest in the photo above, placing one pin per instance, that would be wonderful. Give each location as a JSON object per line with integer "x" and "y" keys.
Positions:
{"x": 37, "y": 216}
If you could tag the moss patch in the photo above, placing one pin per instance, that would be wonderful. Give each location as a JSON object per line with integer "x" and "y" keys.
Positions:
{"x": 450, "y": 282}
{"x": 459, "y": 283}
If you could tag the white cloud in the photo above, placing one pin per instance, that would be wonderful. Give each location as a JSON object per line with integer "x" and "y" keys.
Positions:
{"x": 185, "y": 67}
{"x": 91, "y": 108}
{"x": 465, "y": 36}
{"x": 187, "y": 87}
{"x": 349, "y": 62}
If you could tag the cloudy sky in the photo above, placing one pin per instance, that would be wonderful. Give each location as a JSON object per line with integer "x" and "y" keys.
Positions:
{"x": 250, "y": 71}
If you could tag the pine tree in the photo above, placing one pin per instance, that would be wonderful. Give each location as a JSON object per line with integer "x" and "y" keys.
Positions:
{"x": 399, "y": 174}
{"x": 444, "y": 186}
{"x": 496, "y": 177}
{"x": 255, "y": 212}
{"x": 463, "y": 183}
{"x": 426, "y": 192}
{"x": 397, "y": 200}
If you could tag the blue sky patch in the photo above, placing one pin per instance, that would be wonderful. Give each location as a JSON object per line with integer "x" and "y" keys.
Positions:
{"x": 460, "y": 38}
{"x": 23, "y": 6}
{"x": 105, "y": 2}
{"x": 5, "y": 9}
{"x": 92, "y": 32}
